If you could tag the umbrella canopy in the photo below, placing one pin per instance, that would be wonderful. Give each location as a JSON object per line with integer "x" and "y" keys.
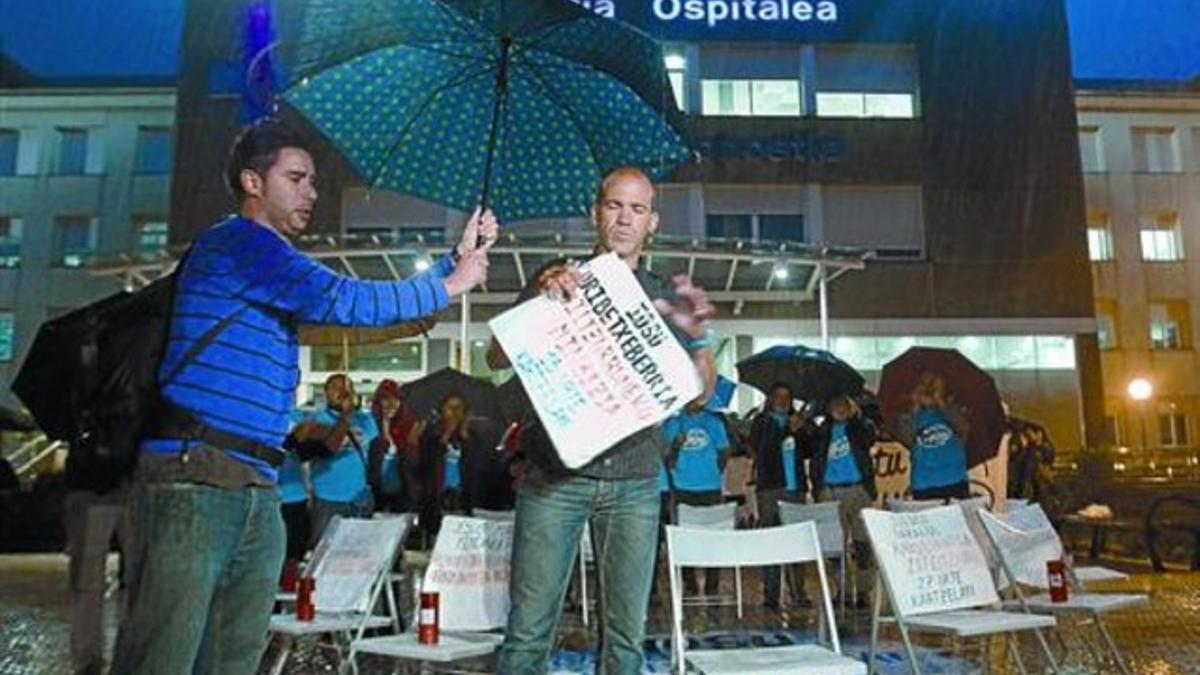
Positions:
{"x": 14, "y": 420}
{"x": 812, "y": 374}
{"x": 518, "y": 104}
{"x": 966, "y": 383}
{"x": 49, "y": 382}
{"x": 425, "y": 395}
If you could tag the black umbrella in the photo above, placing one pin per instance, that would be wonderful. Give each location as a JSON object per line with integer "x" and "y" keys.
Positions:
{"x": 812, "y": 374}
{"x": 424, "y": 396}
{"x": 14, "y": 420}
{"x": 52, "y": 377}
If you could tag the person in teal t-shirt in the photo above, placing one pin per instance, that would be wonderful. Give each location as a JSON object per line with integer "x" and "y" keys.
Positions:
{"x": 699, "y": 448}
{"x": 935, "y": 430}
{"x": 843, "y": 472}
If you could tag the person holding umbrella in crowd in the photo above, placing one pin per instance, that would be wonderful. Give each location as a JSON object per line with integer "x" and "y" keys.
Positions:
{"x": 778, "y": 443}
{"x": 935, "y": 429}
{"x": 843, "y": 472}
{"x": 447, "y": 461}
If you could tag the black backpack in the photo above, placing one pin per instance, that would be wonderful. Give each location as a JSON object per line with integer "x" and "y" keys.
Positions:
{"x": 91, "y": 380}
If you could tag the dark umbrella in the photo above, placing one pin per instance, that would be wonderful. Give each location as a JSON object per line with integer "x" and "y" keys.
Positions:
{"x": 425, "y": 395}
{"x": 966, "y": 383}
{"x": 514, "y": 402}
{"x": 14, "y": 420}
{"x": 51, "y": 378}
{"x": 812, "y": 374}
{"x": 519, "y": 105}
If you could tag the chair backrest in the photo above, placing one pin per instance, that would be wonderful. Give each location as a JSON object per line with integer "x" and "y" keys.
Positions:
{"x": 470, "y": 568}
{"x": 913, "y": 505}
{"x": 969, "y": 507}
{"x": 489, "y": 514}
{"x": 929, "y": 560}
{"x": 1025, "y": 541}
{"x": 695, "y": 547}
{"x": 718, "y": 517}
{"x": 353, "y": 559}
{"x": 828, "y": 520}
{"x": 1013, "y": 503}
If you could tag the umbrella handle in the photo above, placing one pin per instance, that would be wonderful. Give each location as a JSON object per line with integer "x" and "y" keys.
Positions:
{"x": 497, "y": 106}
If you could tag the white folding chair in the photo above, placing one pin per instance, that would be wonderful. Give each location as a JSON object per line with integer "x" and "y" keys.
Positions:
{"x": 1024, "y": 542}
{"x": 829, "y": 531}
{"x": 716, "y": 517}
{"x": 490, "y": 514}
{"x": 467, "y": 551}
{"x": 352, "y": 566}
{"x": 936, "y": 580}
{"x": 1036, "y": 517}
{"x": 786, "y": 544}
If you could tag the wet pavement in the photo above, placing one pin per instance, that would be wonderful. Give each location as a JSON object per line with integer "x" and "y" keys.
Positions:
{"x": 1161, "y": 638}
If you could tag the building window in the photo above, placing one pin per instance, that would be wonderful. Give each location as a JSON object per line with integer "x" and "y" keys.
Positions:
{"x": 1112, "y": 429}
{"x": 755, "y": 226}
{"x": 1091, "y": 152}
{"x": 74, "y": 240}
{"x": 8, "y": 329}
{"x": 396, "y": 357}
{"x": 1168, "y": 325}
{"x": 1100, "y": 245}
{"x": 843, "y": 104}
{"x": 866, "y": 82}
{"x": 152, "y": 238}
{"x": 10, "y": 241}
{"x": 729, "y": 226}
{"x": 153, "y": 151}
{"x": 72, "y": 151}
{"x": 1161, "y": 238}
{"x": 1172, "y": 428}
{"x": 1106, "y": 330}
{"x": 1155, "y": 151}
{"x": 751, "y": 98}
{"x": 10, "y": 141}
{"x": 676, "y": 64}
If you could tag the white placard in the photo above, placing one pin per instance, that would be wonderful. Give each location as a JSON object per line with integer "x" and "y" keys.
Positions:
{"x": 932, "y": 562}
{"x": 599, "y": 367}
{"x": 469, "y": 569}
{"x": 352, "y": 555}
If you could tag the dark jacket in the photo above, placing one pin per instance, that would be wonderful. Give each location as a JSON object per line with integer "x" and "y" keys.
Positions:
{"x": 861, "y": 432}
{"x": 765, "y": 439}
{"x": 429, "y": 469}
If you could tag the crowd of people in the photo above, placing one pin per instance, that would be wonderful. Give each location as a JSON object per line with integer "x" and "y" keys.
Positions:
{"x": 215, "y": 517}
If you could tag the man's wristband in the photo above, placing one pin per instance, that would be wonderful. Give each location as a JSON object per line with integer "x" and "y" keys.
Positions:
{"x": 703, "y": 342}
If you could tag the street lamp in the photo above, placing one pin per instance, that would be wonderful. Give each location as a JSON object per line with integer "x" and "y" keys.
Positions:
{"x": 1140, "y": 390}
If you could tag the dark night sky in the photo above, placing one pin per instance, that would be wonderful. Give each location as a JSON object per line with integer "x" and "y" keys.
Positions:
{"x": 1111, "y": 39}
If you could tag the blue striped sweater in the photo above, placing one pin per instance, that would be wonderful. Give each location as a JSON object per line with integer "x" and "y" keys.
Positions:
{"x": 245, "y": 381}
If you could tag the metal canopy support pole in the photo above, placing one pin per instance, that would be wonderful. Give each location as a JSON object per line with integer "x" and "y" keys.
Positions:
{"x": 464, "y": 344}
{"x": 823, "y": 286}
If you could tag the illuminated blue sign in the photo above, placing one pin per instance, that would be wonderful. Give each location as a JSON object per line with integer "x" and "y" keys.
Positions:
{"x": 804, "y": 20}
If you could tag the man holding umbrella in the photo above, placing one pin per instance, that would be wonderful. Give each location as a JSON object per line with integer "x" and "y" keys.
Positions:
{"x": 209, "y": 535}
{"x": 618, "y": 492}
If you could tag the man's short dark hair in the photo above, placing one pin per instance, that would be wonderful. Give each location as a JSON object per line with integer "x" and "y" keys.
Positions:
{"x": 257, "y": 148}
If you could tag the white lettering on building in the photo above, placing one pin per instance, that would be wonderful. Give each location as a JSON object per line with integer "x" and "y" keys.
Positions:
{"x": 714, "y": 12}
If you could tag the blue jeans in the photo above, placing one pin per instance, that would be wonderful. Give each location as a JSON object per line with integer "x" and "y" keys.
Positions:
{"x": 208, "y": 559}
{"x": 549, "y": 524}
